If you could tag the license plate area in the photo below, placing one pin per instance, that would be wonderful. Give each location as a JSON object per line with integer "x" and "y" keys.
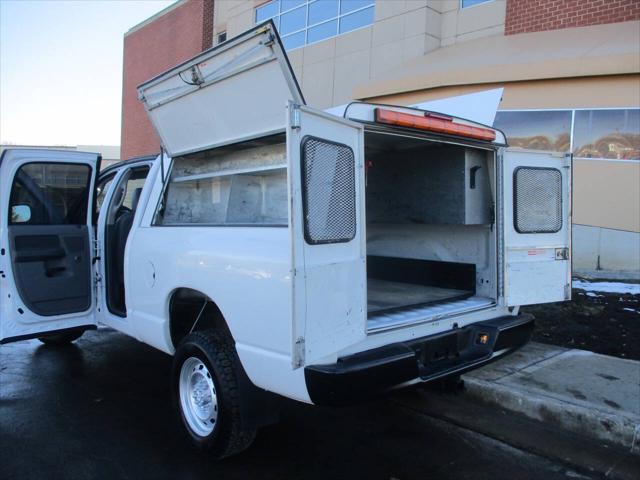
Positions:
{"x": 453, "y": 350}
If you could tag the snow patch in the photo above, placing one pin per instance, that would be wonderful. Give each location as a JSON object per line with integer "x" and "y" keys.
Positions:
{"x": 607, "y": 287}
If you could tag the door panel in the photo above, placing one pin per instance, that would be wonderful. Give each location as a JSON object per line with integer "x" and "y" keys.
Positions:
{"x": 537, "y": 227}
{"x": 46, "y": 236}
{"x": 51, "y": 265}
{"x": 326, "y": 175}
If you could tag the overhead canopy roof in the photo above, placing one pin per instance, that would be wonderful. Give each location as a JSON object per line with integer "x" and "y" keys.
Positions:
{"x": 573, "y": 52}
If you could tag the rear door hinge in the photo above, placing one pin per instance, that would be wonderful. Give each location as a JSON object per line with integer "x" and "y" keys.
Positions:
{"x": 295, "y": 116}
{"x": 298, "y": 353}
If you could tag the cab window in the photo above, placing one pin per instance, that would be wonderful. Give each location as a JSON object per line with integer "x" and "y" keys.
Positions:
{"x": 50, "y": 194}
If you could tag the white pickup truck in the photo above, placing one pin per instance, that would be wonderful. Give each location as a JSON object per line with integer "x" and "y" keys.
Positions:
{"x": 275, "y": 248}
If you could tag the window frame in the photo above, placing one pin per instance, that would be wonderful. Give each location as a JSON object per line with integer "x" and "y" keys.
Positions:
{"x": 305, "y": 199}
{"x": 90, "y": 200}
{"x": 573, "y": 124}
{"x": 157, "y": 218}
{"x": 338, "y": 17}
{"x": 515, "y": 201}
{"x": 106, "y": 179}
{"x": 570, "y": 111}
{"x": 474, "y": 5}
{"x": 573, "y": 111}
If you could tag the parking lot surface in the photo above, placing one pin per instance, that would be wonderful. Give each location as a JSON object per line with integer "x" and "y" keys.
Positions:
{"x": 101, "y": 408}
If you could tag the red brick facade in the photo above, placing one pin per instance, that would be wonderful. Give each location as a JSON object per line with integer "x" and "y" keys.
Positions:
{"x": 538, "y": 15}
{"x": 176, "y": 35}
{"x": 207, "y": 24}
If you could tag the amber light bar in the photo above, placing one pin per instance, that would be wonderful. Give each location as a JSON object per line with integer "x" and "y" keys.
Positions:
{"x": 439, "y": 124}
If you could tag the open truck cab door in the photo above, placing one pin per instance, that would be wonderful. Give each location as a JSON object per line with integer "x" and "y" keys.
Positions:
{"x": 537, "y": 226}
{"x": 46, "y": 242}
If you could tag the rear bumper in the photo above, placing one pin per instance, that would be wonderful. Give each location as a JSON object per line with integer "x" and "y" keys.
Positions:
{"x": 366, "y": 374}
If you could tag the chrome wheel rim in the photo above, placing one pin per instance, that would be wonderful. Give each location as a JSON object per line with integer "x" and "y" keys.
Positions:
{"x": 198, "y": 398}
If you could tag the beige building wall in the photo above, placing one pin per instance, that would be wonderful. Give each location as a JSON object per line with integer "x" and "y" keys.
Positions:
{"x": 607, "y": 91}
{"x": 328, "y": 71}
{"x": 607, "y": 194}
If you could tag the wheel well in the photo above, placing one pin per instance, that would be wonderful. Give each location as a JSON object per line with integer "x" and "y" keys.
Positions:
{"x": 191, "y": 310}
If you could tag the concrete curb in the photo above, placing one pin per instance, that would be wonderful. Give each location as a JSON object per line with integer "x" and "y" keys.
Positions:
{"x": 620, "y": 429}
{"x": 592, "y": 395}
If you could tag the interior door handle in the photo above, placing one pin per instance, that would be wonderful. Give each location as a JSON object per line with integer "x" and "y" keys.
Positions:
{"x": 54, "y": 271}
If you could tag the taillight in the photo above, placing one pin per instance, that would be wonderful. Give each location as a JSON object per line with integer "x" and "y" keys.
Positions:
{"x": 433, "y": 123}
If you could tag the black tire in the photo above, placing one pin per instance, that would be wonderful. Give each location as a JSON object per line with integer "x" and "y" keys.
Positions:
{"x": 61, "y": 338}
{"x": 217, "y": 351}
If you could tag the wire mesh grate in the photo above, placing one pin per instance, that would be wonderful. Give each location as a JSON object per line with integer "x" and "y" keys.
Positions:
{"x": 538, "y": 200}
{"x": 329, "y": 191}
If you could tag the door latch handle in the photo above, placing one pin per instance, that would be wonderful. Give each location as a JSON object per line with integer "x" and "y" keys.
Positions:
{"x": 53, "y": 271}
{"x": 472, "y": 176}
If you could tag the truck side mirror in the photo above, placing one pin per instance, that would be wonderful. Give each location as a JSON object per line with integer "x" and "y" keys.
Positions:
{"x": 20, "y": 213}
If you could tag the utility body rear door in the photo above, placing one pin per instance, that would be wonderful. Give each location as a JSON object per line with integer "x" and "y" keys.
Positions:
{"x": 326, "y": 182}
{"x": 537, "y": 226}
{"x": 46, "y": 241}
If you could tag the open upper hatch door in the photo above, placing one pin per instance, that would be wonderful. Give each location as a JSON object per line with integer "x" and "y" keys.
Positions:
{"x": 234, "y": 91}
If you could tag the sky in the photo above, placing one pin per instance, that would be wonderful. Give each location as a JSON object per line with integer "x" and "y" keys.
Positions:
{"x": 61, "y": 69}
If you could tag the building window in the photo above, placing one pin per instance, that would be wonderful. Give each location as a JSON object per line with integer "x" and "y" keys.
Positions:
{"x": 301, "y": 22}
{"x": 471, "y": 3}
{"x": 607, "y": 134}
{"x": 222, "y": 37}
{"x": 537, "y": 130}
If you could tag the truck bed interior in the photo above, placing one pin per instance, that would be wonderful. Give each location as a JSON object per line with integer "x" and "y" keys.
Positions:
{"x": 430, "y": 233}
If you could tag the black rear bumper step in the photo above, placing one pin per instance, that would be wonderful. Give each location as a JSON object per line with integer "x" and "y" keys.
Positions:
{"x": 363, "y": 375}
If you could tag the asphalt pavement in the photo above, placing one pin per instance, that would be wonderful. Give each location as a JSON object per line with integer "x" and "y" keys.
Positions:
{"x": 101, "y": 408}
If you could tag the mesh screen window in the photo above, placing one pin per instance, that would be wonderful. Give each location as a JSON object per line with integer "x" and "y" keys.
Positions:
{"x": 538, "y": 200}
{"x": 328, "y": 177}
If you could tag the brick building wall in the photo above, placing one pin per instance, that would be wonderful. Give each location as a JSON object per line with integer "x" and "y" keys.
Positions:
{"x": 174, "y": 35}
{"x": 538, "y": 15}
